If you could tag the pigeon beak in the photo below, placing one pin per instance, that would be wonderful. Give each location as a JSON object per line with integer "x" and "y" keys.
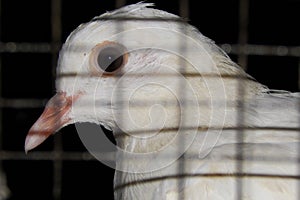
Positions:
{"x": 54, "y": 117}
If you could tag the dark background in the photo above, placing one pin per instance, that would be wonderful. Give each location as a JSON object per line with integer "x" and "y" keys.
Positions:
{"x": 27, "y": 76}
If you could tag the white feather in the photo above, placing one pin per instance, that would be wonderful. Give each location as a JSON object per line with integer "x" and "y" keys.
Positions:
{"x": 212, "y": 101}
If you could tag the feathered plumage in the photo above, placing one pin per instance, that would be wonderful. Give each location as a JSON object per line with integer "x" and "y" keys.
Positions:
{"x": 205, "y": 129}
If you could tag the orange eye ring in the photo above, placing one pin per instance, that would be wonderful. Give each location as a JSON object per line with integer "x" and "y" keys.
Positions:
{"x": 108, "y": 58}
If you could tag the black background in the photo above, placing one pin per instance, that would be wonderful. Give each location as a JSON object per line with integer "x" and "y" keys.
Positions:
{"x": 29, "y": 75}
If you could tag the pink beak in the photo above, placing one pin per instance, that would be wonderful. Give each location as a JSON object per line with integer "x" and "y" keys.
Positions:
{"x": 54, "y": 117}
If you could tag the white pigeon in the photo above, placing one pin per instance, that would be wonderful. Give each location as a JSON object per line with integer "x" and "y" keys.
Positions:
{"x": 189, "y": 123}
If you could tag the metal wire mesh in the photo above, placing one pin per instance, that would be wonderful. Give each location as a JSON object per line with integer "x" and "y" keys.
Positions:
{"x": 57, "y": 157}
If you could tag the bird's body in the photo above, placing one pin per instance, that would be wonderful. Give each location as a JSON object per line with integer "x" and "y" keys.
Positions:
{"x": 204, "y": 128}
{"x": 263, "y": 162}
{"x": 268, "y": 169}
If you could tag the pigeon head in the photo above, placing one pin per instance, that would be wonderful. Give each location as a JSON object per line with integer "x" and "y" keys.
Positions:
{"x": 123, "y": 59}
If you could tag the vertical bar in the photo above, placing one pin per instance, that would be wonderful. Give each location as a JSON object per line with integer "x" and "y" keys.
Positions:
{"x": 5, "y": 189}
{"x": 1, "y": 109}
{"x": 298, "y": 150}
{"x": 1, "y": 128}
{"x": 299, "y": 75}
{"x": 120, "y": 3}
{"x": 184, "y": 7}
{"x": 239, "y": 141}
{"x": 242, "y": 60}
{"x": 243, "y": 32}
{"x": 119, "y": 26}
{"x": 184, "y": 13}
{"x": 55, "y": 42}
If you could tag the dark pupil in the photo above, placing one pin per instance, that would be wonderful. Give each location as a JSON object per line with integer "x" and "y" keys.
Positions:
{"x": 110, "y": 59}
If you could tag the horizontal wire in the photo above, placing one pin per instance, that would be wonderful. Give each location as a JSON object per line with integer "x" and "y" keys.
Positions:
{"x": 14, "y": 47}
{"x": 46, "y": 155}
{"x": 19, "y": 103}
{"x": 40, "y": 103}
{"x": 143, "y": 18}
{"x": 209, "y": 175}
{"x": 110, "y": 155}
{"x": 155, "y": 75}
{"x": 206, "y": 128}
{"x": 266, "y": 50}
{"x": 235, "y": 49}
{"x": 134, "y": 103}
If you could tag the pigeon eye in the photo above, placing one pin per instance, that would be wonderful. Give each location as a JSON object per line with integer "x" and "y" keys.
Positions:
{"x": 109, "y": 57}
